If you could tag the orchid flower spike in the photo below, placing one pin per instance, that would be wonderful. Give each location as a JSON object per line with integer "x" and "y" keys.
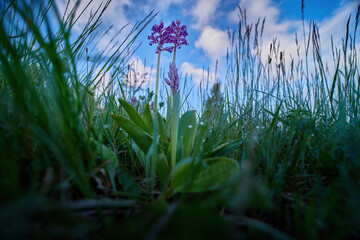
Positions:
{"x": 173, "y": 80}
{"x": 160, "y": 35}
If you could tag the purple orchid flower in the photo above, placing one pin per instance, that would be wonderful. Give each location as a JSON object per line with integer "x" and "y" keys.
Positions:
{"x": 178, "y": 34}
{"x": 133, "y": 101}
{"x": 152, "y": 106}
{"x": 173, "y": 80}
{"x": 160, "y": 36}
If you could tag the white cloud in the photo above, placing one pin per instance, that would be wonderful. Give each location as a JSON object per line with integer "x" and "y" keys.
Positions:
{"x": 214, "y": 42}
{"x": 203, "y": 12}
{"x": 284, "y": 30}
{"x": 115, "y": 11}
{"x": 114, "y": 15}
{"x": 255, "y": 9}
{"x": 199, "y": 75}
{"x": 336, "y": 25}
{"x": 139, "y": 73}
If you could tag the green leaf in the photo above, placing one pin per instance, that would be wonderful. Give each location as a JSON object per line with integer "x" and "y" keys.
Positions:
{"x": 152, "y": 158}
{"x": 134, "y": 115}
{"x": 225, "y": 148}
{"x": 174, "y": 128}
{"x": 163, "y": 169}
{"x": 109, "y": 157}
{"x": 199, "y": 141}
{"x": 334, "y": 81}
{"x": 274, "y": 121}
{"x": 183, "y": 172}
{"x": 207, "y": 175}
{"x": 162, "y": 128}
{"x": 138, "y": 135}
{"x": 148, "y": 118}
{"x": 168, "y": 116}
{"x": 129, "y": 185}
{"x": 187, "y": 131}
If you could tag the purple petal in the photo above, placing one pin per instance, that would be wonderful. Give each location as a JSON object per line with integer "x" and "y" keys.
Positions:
{"x": 167, "y": 81}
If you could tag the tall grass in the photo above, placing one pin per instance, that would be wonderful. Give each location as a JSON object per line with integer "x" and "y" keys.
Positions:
{"x": 49, "y": 102}
{"x": 305, "y": 120}
{"x": 67, "y": 167}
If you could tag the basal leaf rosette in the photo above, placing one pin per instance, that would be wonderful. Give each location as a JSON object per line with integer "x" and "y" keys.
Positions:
{"x": 196, "y": 175}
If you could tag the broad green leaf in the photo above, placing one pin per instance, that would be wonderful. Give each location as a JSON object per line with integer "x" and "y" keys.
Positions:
{"x": 199, "y": 141}
{"x": 148, "y": 117}
{"x": 134, "y": 115}
{"x": 139, "y": 153}
{"x": 213, "y": 175}
{"x": 183, "y": 173}
{"x": 225, "y": 148}
{"x": 152, "y": 157}
{"x": 163, "y": 169}
{"x": 158, "y": 158}
{"x": 168, "y": 116}
{"x": 109, "y": 157}
{"x": 174, "y": 128}
{"x": 150, "y": 165}
{"x": 138, "y": 135}
{"x": 187, "y": 131}
{"x": 162, "y": 128}
{"x": 218, "y": 174}
{"x": 129, "y": 185}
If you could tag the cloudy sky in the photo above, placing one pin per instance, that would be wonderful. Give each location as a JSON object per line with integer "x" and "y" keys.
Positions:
{"x": 208, "y": 20}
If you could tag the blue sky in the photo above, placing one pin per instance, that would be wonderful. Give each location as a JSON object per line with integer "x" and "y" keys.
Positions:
{"x": 207, "y": 21}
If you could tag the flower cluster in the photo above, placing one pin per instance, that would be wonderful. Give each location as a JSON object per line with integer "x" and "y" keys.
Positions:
{"x": 178, "y": 34}
{"x": 160, "y": 36}
{"x": 173, "y": 80}
{"x": 133, "y": 101}
{"x": 174, "y": 34}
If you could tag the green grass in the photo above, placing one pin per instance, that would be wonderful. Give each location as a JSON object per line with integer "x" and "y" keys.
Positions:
{"x": 274, "y": 156}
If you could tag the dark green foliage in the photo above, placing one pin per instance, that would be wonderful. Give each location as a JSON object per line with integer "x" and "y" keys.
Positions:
{"x": 161, "y": 220}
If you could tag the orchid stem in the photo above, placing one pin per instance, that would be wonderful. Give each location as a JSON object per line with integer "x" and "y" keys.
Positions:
{"x": 174, "y": 54}
{"x": 157, "y": 82}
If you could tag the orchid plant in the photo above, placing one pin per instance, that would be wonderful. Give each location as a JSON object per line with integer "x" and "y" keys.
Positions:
{"x": 172, "y": 148}
{"x": 178, "y": 36}
{"x": 160, "y": 35}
